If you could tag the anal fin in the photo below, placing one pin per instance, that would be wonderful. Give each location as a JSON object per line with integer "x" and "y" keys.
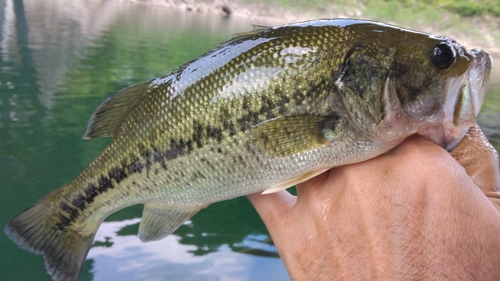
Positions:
{"x": 159, "y": 219}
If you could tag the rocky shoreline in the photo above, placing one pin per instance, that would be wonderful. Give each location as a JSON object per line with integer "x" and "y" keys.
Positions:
{"x": 270, "y": 14}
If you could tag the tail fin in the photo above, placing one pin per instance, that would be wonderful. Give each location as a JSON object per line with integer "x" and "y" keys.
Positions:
{"x": 64, "y": 249}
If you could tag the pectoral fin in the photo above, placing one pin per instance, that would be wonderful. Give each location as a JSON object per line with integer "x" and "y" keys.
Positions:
{"x": 293, "y": 181}
{"x": 286, "y": 136}
{"x": 159, "y": 220}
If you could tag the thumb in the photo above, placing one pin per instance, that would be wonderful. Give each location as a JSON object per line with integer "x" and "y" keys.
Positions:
{"x": 480, "y": 160}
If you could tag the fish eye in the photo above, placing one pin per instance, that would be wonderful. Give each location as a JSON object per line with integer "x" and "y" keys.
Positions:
{"x": 442, "y": 56}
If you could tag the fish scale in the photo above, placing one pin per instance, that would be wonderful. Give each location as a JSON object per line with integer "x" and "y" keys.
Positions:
{"x": 262, "y": 112}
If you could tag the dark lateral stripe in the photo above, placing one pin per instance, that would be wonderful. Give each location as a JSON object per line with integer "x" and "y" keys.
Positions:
{"x": 71, "y": 211}
{"x": 159, "y": 158}
{"x": 79, "y": 202}
{"x": 202, "y": 132}
{"x": 148, "y": 163}
{"x": 90, "y": 193}
{"x": 104, "y": 183}
{"x": 135, "y": 167}
{"x": 118, "y": 174}
{"x": 175, "y": 150}
{"x": 63, "y": 222}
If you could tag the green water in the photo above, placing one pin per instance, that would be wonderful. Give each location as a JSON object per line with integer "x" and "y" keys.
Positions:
{"x": 58, "y": 61}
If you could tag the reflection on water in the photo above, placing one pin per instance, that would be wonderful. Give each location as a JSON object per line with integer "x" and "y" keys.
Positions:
{"x": 169, "y": 259}
{"x": 58, "y": 60}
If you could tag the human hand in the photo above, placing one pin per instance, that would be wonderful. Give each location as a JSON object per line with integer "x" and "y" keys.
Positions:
{"x": 480, "y": 160}
{"x": 412, "y": 213}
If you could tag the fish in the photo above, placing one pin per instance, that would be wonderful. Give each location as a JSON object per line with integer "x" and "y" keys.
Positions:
{"x": 266, "y": 110}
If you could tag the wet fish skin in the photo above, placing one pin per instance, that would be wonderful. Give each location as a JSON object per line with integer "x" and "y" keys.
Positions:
{"x": 261, "y": 112}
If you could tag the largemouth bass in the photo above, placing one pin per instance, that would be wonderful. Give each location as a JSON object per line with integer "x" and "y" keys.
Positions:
{"x": 262, "y": 112}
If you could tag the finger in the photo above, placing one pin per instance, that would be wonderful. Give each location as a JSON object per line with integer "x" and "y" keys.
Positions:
{"x": 480, "y": 160}
{"x": 272, "y": 208}
{"x": 416, "y": 143}
{"x": 312, "y": 186}
{"x": 331, "y": 182}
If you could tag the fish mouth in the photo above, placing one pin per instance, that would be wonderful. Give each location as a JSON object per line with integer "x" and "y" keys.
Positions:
{"x": 463, "y": 101}
{"x": 479, "y": 76}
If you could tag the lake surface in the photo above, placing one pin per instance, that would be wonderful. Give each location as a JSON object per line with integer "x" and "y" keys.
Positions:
{"x": 58, "y": 61}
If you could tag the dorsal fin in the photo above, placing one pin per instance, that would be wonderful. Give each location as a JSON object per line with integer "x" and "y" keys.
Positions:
{"x": 108, "y": 117}
{"x": 255, "y": 29}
